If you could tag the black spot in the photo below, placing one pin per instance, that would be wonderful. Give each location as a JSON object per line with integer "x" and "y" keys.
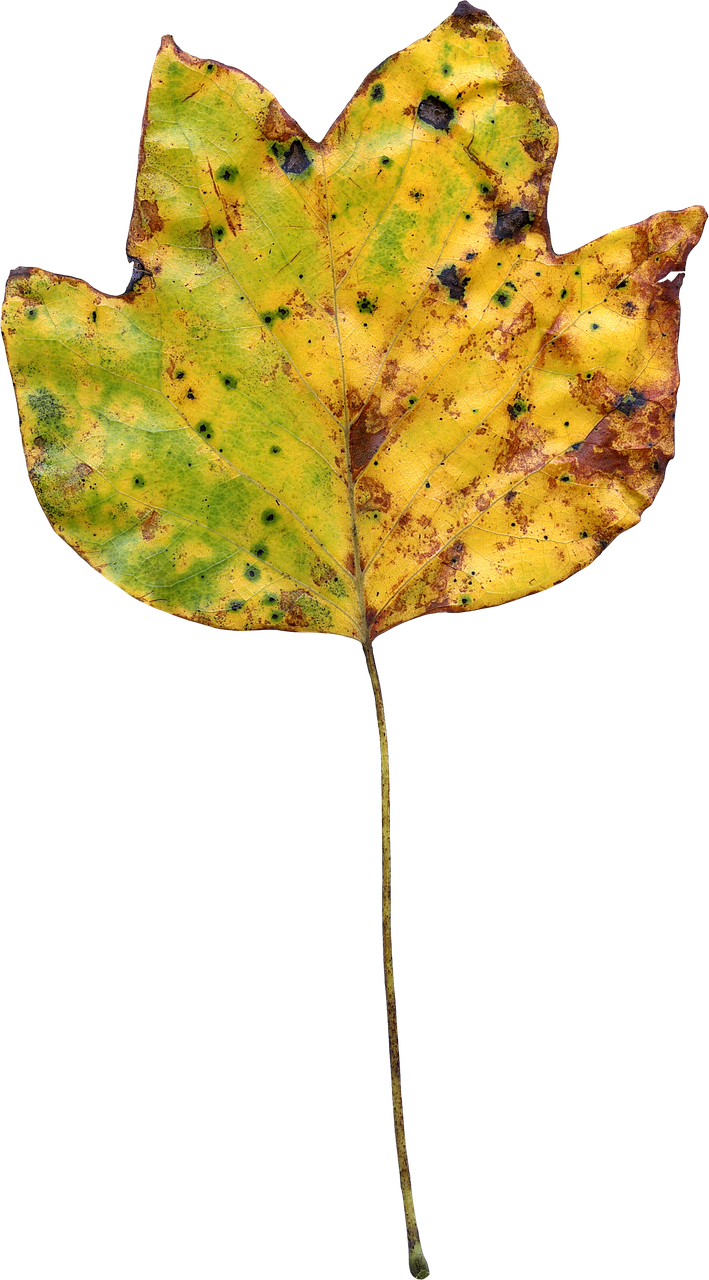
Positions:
{"x": 454, "y": 283}
{"x": 275, "y": 448}
{"x": 219, "y": 233}
{"x": 269, "y": 516}
{"x": 283, "y": 313}
{"x": 139, "y": 481}
{"x": 203, "y": 426}
{"x": 502, "y": 298}
{"x": 510, "y": 285}
{"x": 621, "y": 285}
{"x": 229, "y": 381}
{"x": 366, "y": 306}
{"x": 180, "y": 375}
{"x": 595, "y": 326}
{"x": 93, "y": 316}
{"x": 260, "y": 549}
{"x": 469, "y": 257}
{"x": 377, "y": 93}
{"x": 565, "y": 479}
{"x": 210, "y": 67}
{"x": 584, "y": 535}
{"x": 268, "y": 319}
{"x": 252, "y": 572}
{"x": 385, "y": 160}
{"x": 416, "y": 195}
{"x": 236, "y": 605}
{"x": 517, "y": 408}
{"x": 631, "y": 401}
{"x": 190, "y": 394}
{"x": 434, "y": 111}
{"x": 227, "y": 173}
{"x": 412, "y": 399}
{"x": 296, "y": 160}
{"x": 510, "y": 221}
{"x": 564, "y": 294}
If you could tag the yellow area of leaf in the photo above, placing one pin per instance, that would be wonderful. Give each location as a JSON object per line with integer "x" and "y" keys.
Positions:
{"x": 351, "y": 382}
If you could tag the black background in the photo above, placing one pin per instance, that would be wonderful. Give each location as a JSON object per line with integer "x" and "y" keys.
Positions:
{"x": 204, "y": 807}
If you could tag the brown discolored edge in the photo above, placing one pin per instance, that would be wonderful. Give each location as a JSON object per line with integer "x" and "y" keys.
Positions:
{"x": 20, "y": 271}
{"x": 466, "y": 15}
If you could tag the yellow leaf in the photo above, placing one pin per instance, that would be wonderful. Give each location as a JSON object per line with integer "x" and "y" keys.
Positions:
{"x": 351, "y": 383}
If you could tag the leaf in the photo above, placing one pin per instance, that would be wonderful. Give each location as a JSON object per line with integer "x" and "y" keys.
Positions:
{"x": 351, "y": 383}
{"x": 428, "y": 759}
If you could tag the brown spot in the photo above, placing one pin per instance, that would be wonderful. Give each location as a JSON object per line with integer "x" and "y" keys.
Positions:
{"x": 512, "y": 223}
{"x": 278, "y": 126}
{"x": 534, "y": 148}
{"x": 372, "y": 496}
{"x": 149, "y": 527}
{"x": 323, "y": 575}
{"x": 390, "y": 372}
{"x": 597, "y": 453}
{"x": 523, "y": 449}
{"x": 151, "y": 216}
{"x": 366, "y": 434}
{"x": 290, "y": 604}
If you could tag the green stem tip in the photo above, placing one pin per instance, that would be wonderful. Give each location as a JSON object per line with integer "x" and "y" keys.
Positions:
{"x": 418, "y": 1265}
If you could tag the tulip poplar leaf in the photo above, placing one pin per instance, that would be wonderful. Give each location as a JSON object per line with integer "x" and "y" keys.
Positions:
{"x": 350, "y": 382}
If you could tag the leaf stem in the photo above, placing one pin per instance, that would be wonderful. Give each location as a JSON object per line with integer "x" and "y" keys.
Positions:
{"x": 417, "y": 1262}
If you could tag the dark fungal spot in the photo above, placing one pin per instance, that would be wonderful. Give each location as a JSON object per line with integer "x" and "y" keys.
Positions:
{"x": 260, "y": 550}
{"x": 517, "y": 408}
{"x": 621, "y": 285}
{"x": 484, "y": 189}
{"x": 202, "y": 426}
{"x": 385, "y": 160}
{"x": 227, "y": 173}
{"x": 565, "y": 479}
{"x": 510, "y": 221}
{"x": 412, "y": 399}
{"x": 465, "y": 599}
{"x": 469, "y": 257}
{"x": 190, "y": 394}
{"x": 252, "y": 572}
{"x": 137, "y": 273}
{"x": 366, "y": 306}
{"x": 276, "y": 617}
{"x": 502, "y": 298}
{"x": 377, "y": 92}
{"x": 416, "y": 195}
{"x": 219, "y": 233}
{"x": 180, "y": 375}
{"x": 275, "y": 448}
{"x": 210, "y": 66}
{"x": 631, "y": 401}
{"x": 584, "y": 534}
{"x": 564, "y": 294}
{"x": 229, "y": 381}
{"x": 93, "y": 316}
{"x": 454, "y": 282}
{"x": 296, "y": 160}
{"x": 510, "y": 285}
{"x": 595, "y": 326}
{"x": 271, "y": 599}
{"x": 139, "y": 482}
{"x": 283, "y": 313}
{"x": 436, "y": 112}
{"x": 235, "y": 605}
{"x": 269, "y": 516}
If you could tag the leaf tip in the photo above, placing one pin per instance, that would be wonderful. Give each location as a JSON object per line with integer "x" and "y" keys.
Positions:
{"x": 472, "y": 14}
